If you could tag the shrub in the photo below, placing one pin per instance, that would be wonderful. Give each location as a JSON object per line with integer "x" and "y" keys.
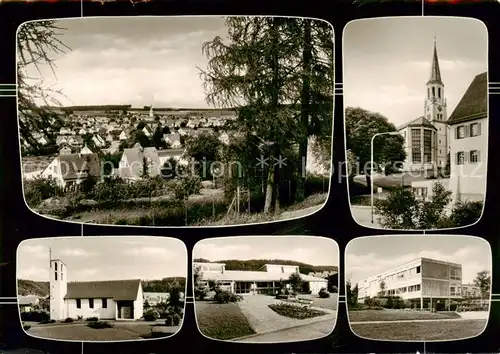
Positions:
{"x": 323, "y": 293}
{"x": 187, "y": 186}
{"x": 294, "y": 311}
{"x": 26, "y": 327}
{"x": 334, "y": 289}
{"x": 79, "y": 318}
{"x": 151, "y": 315}
{"x": 39, "y": 189}
{"x": 99, "y": 324}
{"x": 92, "y": 319}
{"x": 224, "y": 297}
{"x": 35, "y": 316}
{"x": 173, "y": 320}
{"x": 439, "y": 306}
{"x": 68, "y": 320}
{"x": 200, "y": 293}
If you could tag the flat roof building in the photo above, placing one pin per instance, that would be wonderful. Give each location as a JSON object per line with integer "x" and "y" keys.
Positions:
{"x": 421, "y": 282}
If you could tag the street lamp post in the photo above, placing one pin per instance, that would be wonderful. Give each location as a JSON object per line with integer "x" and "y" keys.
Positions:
{"x": 371, "y": 164}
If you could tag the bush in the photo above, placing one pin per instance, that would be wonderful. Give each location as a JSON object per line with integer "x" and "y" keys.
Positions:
{"x": 334, "y": 289}
{"x": 99, "y": 324}
{"x": 68, "y": 320}
{"x": 89, "y": 319}
{"x": 224, "y": 297}
{"x": 35, "y": 316}
{"x": 200, "y": 293}
{"x": 323, "y": 293}
{"x": 294, "y": 311}
{"x": 439, "y": 306}
{"x": 187, "y": 186}
{"x": 39, "y": 189}
{"x": 26, "y": 327}
{"x": 173, "y": 320}
{"x": 79, "y": 318}
{"x": 151, "y": 315}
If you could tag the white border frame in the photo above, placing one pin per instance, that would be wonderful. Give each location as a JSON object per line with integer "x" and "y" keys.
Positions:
{"x": 119, "y": 238}
{"x": 243, "y": 238}
{"x": 476, "y": 238}
{"x": 182, "y": 16}
{"x": 487, "y": 108}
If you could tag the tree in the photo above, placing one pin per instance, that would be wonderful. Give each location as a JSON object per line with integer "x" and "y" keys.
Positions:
{"x": 351, "y": 294}
{"x": 261, "y": 74}
{"x": 205, "y": 149}
{"x": 295, "y": 282}
{"x": 158, "y": 141}
{"x": 483, "y": 282}
{"x": 141, "y": 125}
{"x": 382, "y": 287}
{"x": 403, "y": 210}
{"x": 37, "y": 42}
{"x": 174, "y": 300}
{"x": 361, "y": 126}
{"x": 200, "y": 290}
{"x": 166, "y": 130}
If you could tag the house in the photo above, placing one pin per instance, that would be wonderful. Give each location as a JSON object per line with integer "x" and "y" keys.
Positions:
{"x": 154, "y": 299}
{"x": 113, "y": 148}
{"x": 98, "y": 141}
{"x": 27, "y": 303}
{"x": 244, "y": 282}
{"x": 123, "y": 135}
{"x": 468, "y": 147}
{"x": 420, "y": 282}
{"x": 132, "y": 163}
{"x": 174, "y": 140}
{"x": 469, "y": 142}
{"x": 86, "y": 151}
{"x": 471, "y": 291}
{"x": 426, "y": 137}
{"x": 147, "y": 131}
{"x": 66, "y": 149}
{"x": 176, "y": 154}
{"x": 111, "y": 299}
{"x": 72, "y": 169}
{"x": 61, "y": 139}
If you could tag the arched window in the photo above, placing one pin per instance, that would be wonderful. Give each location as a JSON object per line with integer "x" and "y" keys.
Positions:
{"x": 439, "y": 92}
{"x": 433, "y": 91}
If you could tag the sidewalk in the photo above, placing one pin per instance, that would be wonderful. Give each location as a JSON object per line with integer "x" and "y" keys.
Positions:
{"x": 363, "y": 216}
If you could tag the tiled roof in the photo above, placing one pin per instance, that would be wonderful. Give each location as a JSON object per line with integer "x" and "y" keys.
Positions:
{"x": 473, "y": 104}
{"x": 418, "y": 122}
{"x": 244, "y": 275}
{"x": 124, "y": 290}
{"x": 135, "y": 160}
{"x": 72, "y": 164}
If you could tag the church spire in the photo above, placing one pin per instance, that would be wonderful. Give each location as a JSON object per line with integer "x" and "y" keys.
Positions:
{"x": 435, "y": 76}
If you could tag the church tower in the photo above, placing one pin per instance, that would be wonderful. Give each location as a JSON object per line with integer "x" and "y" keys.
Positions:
{"x": 58, "y": 289}
{"x": 435, "y": 110}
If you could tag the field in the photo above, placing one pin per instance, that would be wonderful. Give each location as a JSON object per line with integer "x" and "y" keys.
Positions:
{"x": 221, "y": 321}
{"x": 398, "y": 315}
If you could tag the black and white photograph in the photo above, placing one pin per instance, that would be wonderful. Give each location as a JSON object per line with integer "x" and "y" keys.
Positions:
{"x": 418, "y": 288}
{"x": 175, "y": 121}
{"x": 416, "y": 121}
{"x": 101, "y": 289}
{"x": 266, "y": 289}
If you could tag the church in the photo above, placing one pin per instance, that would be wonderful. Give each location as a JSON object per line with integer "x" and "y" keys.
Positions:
{"x": 426, "y": 138}
{"x": 111, "y": 299}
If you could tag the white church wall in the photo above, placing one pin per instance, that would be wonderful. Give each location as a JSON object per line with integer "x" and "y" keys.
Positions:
{"x": 85, "y": 310}
{"x": 139, "y": 304}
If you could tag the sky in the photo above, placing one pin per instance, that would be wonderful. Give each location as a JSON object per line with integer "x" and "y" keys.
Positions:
{"x": 317, "y": 251}
{"x": 104, "y": 258}
{"x": 387, "y": 62}
{"x": 133, "y": 60}
{"x": 369, "y": 256}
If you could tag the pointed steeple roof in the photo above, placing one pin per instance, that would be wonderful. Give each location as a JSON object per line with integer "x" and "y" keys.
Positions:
{"x": 435, "y": 76}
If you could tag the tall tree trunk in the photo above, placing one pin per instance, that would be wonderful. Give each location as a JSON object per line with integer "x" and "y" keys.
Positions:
{"x": 271, "y": 181}
{"x": 305, "y": 107}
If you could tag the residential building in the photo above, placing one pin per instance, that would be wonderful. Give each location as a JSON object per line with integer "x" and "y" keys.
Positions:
{"x": 65, "y": 149}
{"x": 72, "y": 169}
{"x": 469, "y": 142}
{"x": 132, "y": 163}
{"x": 265, "y": 280}
{"x": 174, "y": 140}
{"x": 427, "y": 137}
{"x": 154, "y": 299}
{"x": 176, "y": 154}
{"x": 420, "y": 282}
{"x": 471, "y": 291}
{"x": 112, "y": 299}
{"x": 27, "y": 303}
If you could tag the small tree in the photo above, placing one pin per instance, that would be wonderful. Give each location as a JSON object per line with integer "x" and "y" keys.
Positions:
{"x": 483, "y": 282}
{"x": 351, "y": 294}
{"x": 200, "y": 291}
{"x": 383, "y": 287}
{"x": 295, "y": 282}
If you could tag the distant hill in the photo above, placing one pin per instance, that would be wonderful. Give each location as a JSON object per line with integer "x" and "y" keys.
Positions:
{"x": 256, "y": 264}
{"x": 41, "y": 288}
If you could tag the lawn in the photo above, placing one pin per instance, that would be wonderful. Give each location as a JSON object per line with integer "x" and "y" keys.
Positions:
{"x": 424, "y": 330}
{"x": 295, "y": 311}
{"x": 221, "y": 321}
{"x": 398, "y": 315}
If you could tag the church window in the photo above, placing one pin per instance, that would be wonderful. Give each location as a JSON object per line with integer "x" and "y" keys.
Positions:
{"x": 55, "y": 275}
{"x": 474, "y": 156}
{"x": 78, "y": 303}
{"x": 55, "y": 265}
{"x": 91, "y": 303}
{"x": 427, "y": 146}
{"x": 433, "y": 92}
{"x": 439, "y": 92}
{"x": 416, "y": 149}
{"x": 104, "y": 303}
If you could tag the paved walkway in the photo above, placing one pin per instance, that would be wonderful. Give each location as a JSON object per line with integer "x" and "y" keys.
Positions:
{"x": 311, "y": 331}
{"x": 363, "y": 216}
{"x": 263, "y": 320}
